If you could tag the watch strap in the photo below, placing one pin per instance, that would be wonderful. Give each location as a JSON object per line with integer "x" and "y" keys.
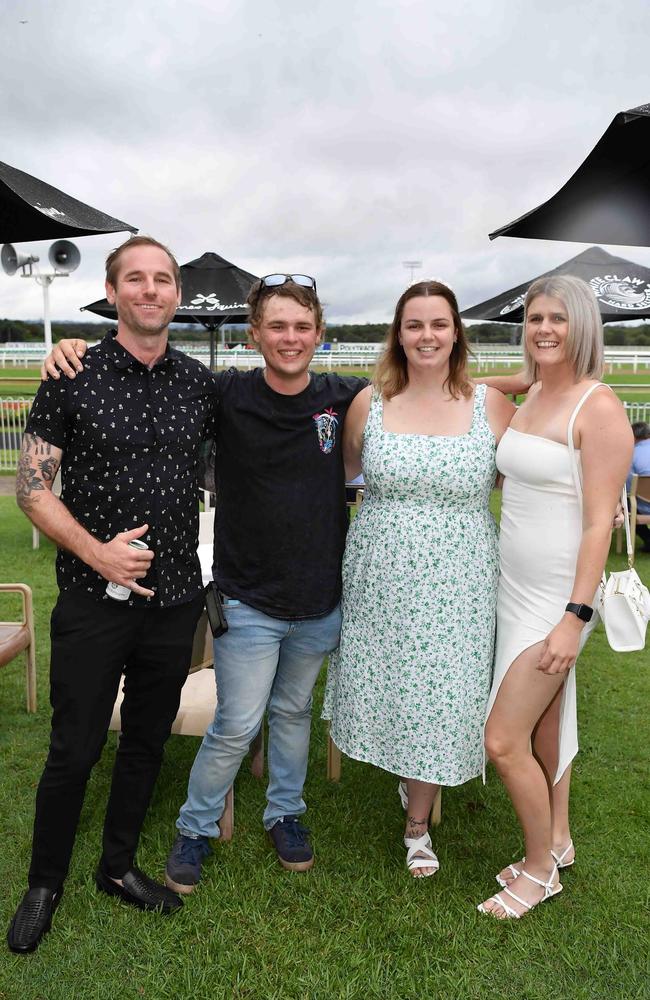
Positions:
{"x": 582, "y": 611}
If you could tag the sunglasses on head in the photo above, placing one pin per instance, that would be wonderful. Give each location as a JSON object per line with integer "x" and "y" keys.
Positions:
{"x": 275, "y": 280}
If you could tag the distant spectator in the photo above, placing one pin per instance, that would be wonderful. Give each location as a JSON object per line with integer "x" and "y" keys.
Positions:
{"x": 641, "y": 466}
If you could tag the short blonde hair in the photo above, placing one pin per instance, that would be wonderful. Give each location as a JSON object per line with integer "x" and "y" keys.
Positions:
{"x": 585, "y": 344}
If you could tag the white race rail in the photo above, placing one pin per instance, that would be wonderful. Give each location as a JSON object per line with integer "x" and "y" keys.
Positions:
{"x": 13, "y": 415}
{"x": 338, "y": 356}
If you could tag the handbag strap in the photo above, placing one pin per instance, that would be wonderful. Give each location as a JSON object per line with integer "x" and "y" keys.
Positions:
{"x": 575, "y": 470}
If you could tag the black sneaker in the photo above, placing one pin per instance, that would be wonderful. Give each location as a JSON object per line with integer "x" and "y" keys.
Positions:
{"x": 291, "y": 841}
{"x": 183, "y": 869}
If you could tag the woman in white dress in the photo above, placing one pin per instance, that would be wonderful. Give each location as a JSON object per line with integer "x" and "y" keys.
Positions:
{"x": 553, "y": 546}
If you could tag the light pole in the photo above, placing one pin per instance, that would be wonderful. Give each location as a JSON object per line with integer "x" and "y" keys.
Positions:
{"x": 412, "y": 266}
{"x": 64, "y": 258}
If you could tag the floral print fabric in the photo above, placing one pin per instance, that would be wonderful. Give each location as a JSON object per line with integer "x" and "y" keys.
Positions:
{"x": 408, "y": 686}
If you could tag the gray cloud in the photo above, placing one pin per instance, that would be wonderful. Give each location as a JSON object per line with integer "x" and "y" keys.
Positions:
{"x": 341, "y": 138}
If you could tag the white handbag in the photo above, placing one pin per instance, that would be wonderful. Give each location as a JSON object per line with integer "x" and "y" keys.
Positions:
{"x": 624, "y": 604}
{"x": 622, "y": 599}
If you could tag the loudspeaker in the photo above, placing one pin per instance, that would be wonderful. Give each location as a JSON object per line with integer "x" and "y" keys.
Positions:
{"x": 11, "y": 260}
{"x": 64, "y": 256}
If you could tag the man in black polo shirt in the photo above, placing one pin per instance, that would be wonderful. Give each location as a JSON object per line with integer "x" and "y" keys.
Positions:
{"x": 126, "y": 434}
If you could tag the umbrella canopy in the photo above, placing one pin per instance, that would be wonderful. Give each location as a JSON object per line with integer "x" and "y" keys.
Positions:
{"x": 622, "y": 289}
{"x": 214, "y": 292}
{"x": 33, "y": 210}
{"x": 607, "y": 200}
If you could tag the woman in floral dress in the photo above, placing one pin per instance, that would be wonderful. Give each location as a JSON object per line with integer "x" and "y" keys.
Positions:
{"x": 408, "y": 687}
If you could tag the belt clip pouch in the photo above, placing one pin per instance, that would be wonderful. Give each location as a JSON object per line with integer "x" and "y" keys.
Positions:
{"x": 214, "y": 608}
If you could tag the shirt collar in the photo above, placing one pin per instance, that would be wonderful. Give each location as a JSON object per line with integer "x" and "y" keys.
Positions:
{"x": 121, "y": 358}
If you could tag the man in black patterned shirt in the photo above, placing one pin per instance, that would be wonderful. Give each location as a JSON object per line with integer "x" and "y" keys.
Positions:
{"x": 277, "y": 564}
{"x": 126, "y": 434}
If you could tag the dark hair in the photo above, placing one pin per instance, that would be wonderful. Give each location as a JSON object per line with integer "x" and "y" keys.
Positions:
{"x": 391, "y": 373}
{"x": 641, "y": 430}
{"x": 113, "y": 259}
{"x": 307, "y": 297}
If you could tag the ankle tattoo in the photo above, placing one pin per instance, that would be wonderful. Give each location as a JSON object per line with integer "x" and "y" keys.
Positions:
{"x": 412, "y": 822}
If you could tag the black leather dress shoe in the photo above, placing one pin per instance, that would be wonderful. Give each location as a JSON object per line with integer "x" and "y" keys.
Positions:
{"x": 32, "y": 919}
{"x": 139, "y": 890}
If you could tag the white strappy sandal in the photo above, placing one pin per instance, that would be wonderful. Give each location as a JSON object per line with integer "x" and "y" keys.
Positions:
{"x": 549, "y": 888}
{"x": 558, "y": 858}
{"x": 419, "y": 854}
{"x": 516, "y": 872}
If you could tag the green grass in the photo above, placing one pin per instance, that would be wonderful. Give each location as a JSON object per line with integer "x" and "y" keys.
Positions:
{"x": 16, "y": 377}
{"x": 356, "y": 927}
{"x": 624, "y": 373}
{"x": 17, "y": 383}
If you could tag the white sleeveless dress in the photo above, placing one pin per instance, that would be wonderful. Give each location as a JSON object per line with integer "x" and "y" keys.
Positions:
{"x": 540, "y": 534}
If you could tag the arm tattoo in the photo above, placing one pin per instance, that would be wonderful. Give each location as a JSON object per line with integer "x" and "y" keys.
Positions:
{"x": 30, "y": 480}
{"x": 40, "y": 446}
{"x": 48, "y": 467}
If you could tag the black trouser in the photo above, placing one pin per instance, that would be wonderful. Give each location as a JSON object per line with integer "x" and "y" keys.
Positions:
{"x": 643, "y": 531}
{"x": 93, "y": 642}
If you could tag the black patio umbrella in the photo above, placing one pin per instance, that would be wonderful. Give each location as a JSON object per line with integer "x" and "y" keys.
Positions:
{"x": 214, "y": 292}
{"x": 622, "y": 289}
{"x": 30, "y": 209}
{"x": 607, "y": 200}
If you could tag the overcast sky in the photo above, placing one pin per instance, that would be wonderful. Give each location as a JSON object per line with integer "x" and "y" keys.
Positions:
{"x": 334, "y": 138}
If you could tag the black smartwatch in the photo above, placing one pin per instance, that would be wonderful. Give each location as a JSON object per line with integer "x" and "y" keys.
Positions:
{"x": 583, "y": 611}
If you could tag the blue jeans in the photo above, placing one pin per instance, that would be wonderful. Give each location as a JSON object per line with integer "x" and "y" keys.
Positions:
{"x": 259, "y": 662}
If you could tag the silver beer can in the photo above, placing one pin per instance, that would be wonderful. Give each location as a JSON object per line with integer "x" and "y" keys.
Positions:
{"x": 116, "y": 590}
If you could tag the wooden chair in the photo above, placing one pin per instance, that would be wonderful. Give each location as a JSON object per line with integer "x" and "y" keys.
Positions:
{"x": 196, "y": 711}
{"x": 639, "y": 490}
{"x": 207, "y": 499}
{"x": 353, "y": 496}
{"x": 16, "y": 637}
{"x": 334, "y": 774}
{"x": 206, "y": 527}
{"x": 354, "y": 499}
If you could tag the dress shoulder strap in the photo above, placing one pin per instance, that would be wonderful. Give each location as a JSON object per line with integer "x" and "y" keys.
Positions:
{"x": 583, "y": 399}
{"x": 576, "y": 472}
{"x": 479, "y": 417}
{"x": 375, "y": 413}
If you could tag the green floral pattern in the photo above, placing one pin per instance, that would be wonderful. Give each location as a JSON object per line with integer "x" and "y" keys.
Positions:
{"x": 408, "y": 687}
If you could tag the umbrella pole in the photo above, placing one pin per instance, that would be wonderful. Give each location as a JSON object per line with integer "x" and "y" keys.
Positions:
{"x": 222, "y": 333}
{"x": 45, "y": 280}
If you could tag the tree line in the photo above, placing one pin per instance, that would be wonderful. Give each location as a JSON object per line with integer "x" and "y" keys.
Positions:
{"x": 26, "y": 331}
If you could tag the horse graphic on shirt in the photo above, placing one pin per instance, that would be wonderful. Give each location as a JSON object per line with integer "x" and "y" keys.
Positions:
{"x": 326, "y": 423}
